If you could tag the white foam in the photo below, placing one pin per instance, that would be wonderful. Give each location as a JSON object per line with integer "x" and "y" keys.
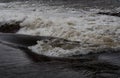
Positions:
{"x": 59, "y": 51}
{"x": 48, "y": 50}
{"x": 85, "y": 27}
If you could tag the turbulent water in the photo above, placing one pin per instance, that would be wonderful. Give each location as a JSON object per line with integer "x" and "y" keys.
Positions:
{"x": 71, "y": 20}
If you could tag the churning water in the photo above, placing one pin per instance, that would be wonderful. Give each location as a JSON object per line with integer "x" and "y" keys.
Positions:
{"x": 71, "y": 20}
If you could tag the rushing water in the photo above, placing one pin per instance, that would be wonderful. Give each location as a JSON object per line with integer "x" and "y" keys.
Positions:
{"x": 68, "y": 19}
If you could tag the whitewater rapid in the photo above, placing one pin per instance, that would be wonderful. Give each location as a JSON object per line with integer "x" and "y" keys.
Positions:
{"x": 93, "y": 32}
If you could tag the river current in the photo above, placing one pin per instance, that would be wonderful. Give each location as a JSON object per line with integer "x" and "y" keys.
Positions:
{"x": 67, "y": 19}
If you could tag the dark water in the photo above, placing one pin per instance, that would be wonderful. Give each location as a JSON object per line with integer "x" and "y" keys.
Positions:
{"x": 16, "y": 61}
{"x": 101, "y": 4}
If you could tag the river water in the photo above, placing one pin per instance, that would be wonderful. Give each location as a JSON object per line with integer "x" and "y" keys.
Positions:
{"x": 75, "y": 21}
{"x": 71, "y": 20}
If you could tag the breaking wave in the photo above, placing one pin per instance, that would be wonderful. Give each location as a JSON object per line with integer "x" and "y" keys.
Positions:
{"x": 93, "y": 32}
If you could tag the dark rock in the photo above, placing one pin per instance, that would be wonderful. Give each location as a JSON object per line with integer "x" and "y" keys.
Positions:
{"x": 10, "y": 27}
{"x": 109, "y": 13}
